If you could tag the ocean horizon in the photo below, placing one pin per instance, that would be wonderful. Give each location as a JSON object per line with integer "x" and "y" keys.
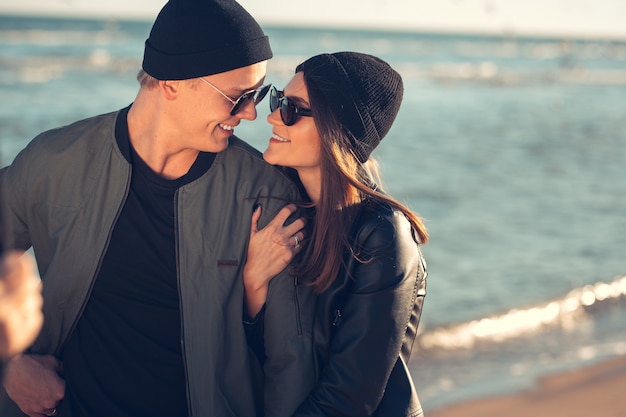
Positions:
{"x": 511, "y": 148}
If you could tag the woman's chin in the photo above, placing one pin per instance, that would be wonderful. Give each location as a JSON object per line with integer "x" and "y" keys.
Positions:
{"x": 270, "y": 158}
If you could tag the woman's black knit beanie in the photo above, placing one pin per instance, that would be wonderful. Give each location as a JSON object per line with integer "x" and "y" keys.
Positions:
{"x": 194, "y": 38}
{"x": 362, "y": 90}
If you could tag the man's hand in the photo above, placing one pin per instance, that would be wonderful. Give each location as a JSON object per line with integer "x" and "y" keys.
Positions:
{"x": 34, "y": 383}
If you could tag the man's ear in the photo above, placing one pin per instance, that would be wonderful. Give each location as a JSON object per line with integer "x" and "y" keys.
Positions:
{"x": 169, "y": 88}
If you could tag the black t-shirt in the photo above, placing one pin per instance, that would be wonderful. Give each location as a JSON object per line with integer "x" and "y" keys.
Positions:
{"x": 124, "y": 358}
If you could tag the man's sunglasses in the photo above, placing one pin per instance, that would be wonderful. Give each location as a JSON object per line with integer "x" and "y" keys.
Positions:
{"x": 289, "y": 111}
{"x": 255, "y": 95}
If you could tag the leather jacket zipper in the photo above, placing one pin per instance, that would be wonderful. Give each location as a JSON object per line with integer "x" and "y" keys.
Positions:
{"x": 337, "y": 318}
{"x": 297, "y": 305}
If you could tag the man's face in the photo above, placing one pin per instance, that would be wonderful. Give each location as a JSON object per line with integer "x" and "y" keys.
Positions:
{"x": 205, "y": 120}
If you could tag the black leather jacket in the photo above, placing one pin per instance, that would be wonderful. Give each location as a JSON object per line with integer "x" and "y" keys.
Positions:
{"x": 365, "y": 324}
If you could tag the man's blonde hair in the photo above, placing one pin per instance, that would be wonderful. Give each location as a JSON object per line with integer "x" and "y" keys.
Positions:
{"x": 146, "y": 80}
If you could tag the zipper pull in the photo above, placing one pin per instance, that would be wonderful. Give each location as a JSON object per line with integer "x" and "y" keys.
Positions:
{"x": 337, "y": 319}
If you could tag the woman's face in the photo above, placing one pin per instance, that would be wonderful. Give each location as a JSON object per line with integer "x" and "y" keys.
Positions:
{"x": 297, "y": 146}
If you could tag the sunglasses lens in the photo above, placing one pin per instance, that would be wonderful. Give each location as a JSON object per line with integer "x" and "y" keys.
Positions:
{"x": 241, "y": 101}
{"x": 273, "y": 99}
{"x": 255, "y": 95}
{"x": 287, "y": 111}
{"x": 262, "y": 93}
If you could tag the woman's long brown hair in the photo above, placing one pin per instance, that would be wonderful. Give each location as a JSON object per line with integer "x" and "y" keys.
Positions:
{"x": 345, "y": 183}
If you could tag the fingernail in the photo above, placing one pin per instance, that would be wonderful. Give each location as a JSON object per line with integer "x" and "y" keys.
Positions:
{"x": 255, "y": 207}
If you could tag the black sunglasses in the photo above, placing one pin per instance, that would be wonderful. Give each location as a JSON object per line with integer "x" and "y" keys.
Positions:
{"x": 256, "y": 95}
{"x": 289, "y": 111}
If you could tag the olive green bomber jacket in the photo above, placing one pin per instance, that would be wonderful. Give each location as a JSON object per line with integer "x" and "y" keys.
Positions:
{"x": 62, "y": 195}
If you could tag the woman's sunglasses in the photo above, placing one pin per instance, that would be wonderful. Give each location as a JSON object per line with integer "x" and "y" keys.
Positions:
{"x": 289, "y": 111}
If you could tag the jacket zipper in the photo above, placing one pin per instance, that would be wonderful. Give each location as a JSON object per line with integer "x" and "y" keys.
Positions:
{"x": 97, "y": 271}
{"x": 180, "y": 306}
{"x": 297, "y": 305}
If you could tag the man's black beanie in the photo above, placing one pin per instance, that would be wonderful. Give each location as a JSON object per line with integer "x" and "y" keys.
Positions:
{"x": 194, "y": 38}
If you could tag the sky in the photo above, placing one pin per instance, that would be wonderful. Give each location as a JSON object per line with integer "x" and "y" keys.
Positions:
{"x": 586, "y": 18}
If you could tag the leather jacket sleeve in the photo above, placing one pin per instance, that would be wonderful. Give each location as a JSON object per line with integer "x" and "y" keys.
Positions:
{"x": 367, "y": 338}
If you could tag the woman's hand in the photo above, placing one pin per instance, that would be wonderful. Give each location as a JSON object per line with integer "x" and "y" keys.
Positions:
{"x": 269, "y": 251}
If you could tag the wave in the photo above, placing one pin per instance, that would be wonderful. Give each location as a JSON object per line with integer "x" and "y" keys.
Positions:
{"x": 489, "y": 72}
{"x": 37, "y": 69}
{"x": 40, "y": 69}
{"x": 58, "y": 46}
{"x": 483, "y": 72}
{"x": 61, "y": 37}
{"x": 564, "y": 313}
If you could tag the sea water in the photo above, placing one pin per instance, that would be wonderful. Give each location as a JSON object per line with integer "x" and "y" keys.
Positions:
{"x": 512, "y": 149}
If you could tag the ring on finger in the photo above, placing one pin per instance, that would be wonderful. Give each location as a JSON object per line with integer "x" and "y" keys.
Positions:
{"x": 51, "y": 412}
{"x": 297, "y": 240}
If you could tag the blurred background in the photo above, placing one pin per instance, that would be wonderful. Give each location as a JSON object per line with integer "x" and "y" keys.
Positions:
{"x": 511, "y": 143}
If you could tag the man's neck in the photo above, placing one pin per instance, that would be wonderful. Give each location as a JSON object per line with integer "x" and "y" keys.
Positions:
{"x": 156, "y": 143}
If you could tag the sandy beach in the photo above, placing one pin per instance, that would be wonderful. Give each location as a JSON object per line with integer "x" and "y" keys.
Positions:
{"x": 595, "y": 391}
